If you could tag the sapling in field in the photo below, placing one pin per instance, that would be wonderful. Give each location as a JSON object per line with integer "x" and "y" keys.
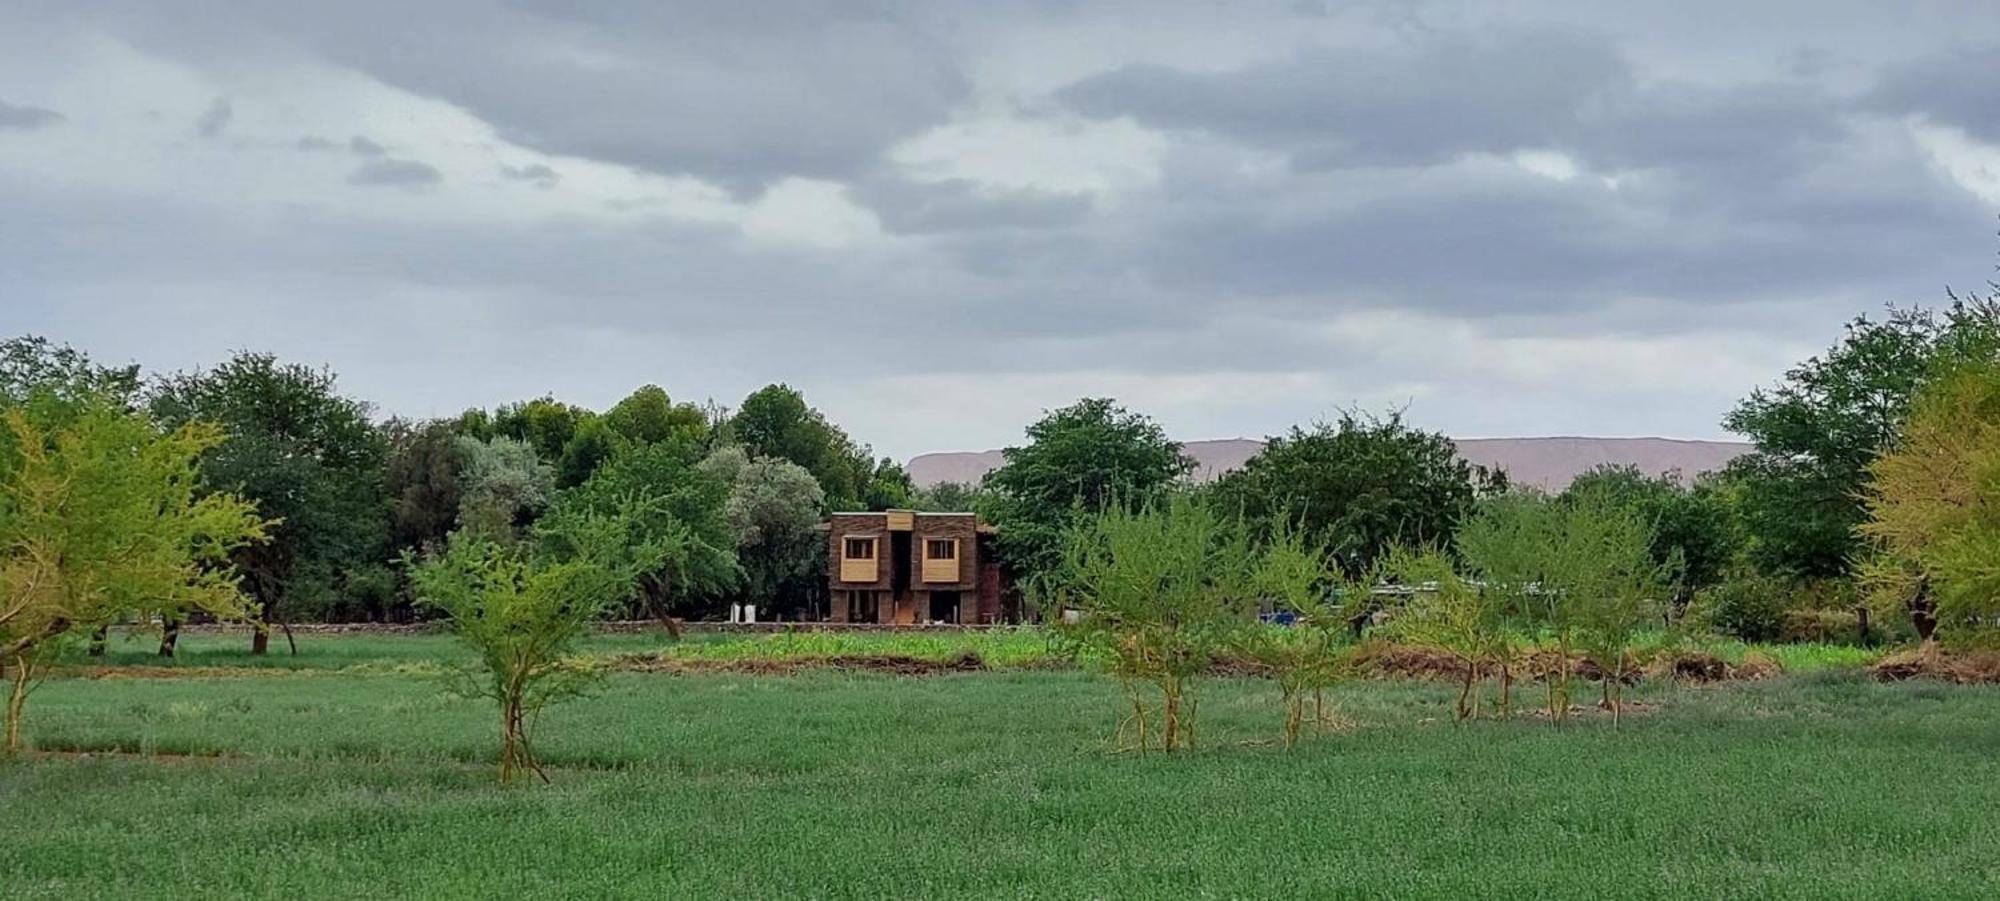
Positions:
{"x": 1612, "y": 582}
{"x": 1295, "y": 574}
{"x": 1450, "y": 613}
{"x": 1158, "y": 592}
{"x": 521, "y": 607}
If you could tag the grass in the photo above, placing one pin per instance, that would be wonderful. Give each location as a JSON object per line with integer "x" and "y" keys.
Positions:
{"x": 367, "y": 781}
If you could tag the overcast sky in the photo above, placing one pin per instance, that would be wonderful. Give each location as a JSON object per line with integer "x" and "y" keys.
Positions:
{"x": 938, "y": 219}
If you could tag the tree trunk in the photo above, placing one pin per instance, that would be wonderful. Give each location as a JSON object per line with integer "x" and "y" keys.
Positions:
{"x": 99, "y": 637}
{"x": 170, "y": 635}
{"x": 17, "y": 701}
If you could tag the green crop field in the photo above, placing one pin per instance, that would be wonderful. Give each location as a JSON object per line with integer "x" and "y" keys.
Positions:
{"x": 347, "y": 772}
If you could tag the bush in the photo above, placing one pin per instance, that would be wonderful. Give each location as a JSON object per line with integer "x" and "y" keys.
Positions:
{"x": 1747, "y": 606}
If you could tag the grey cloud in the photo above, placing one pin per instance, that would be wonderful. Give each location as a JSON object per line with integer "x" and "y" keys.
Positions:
{"x": 213, "y": 120}
{"x": 1422, "y": 105}
{"x": 956, "y": 205}
{"x": 363, "y": 147}
{"x": 316, "y": 144}
{"x": 538, "y": 174}
{"x": 1959, "y": 88}
{"x": 390, "y": 172}
{"x": 26, "y": 118}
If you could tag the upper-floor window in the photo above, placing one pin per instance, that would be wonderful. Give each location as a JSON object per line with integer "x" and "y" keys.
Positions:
{"x": 941, "y": 549}
{"x": 859, "y": 549}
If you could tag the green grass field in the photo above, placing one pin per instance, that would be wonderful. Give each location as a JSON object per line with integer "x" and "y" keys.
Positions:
{"x": 354, "y": 776}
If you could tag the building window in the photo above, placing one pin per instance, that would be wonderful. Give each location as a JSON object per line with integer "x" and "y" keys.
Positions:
{"x": 860, "y": 549}
{"x": 941, "y": 549}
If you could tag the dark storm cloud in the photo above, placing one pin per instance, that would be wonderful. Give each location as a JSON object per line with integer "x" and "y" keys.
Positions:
{"x": 1959, "y": 88}
{"x": 389, "y": 172}
{"x": 26, "y": 118}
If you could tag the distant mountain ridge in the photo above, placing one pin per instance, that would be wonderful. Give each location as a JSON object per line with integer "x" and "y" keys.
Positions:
{"x": 1547, "y": 463}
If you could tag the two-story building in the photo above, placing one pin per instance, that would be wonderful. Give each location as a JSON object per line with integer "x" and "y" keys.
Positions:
{"x": 905, "y": 567}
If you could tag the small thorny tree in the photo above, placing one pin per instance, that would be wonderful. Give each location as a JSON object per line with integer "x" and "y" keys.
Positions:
{"x": 1155, "y": 593}
{"x": 521, "y": 609}
{"x": 100, "y": 521}
{"x": 1445, "y": 611}
{"x": 1291, "y": 573}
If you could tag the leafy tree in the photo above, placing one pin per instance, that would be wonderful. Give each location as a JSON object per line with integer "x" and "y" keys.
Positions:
{"x": 1818, "y": 430}
{"x": 505, "y": 485}
{"x": 1695, "y": 534}
{"x": 1360, "y": 486}
{"x": 308, "y": 457}
{"x": 522, "y": 612}
{"x": 1580, "y": 571}
{"x": 676, "y": 512}
{"x": 648, "y": 416}
{"x": 1078, "y": 459}
{"x": 950, "y": 497}
{"x": 775, "y": 421}
{"x": 1934, "y": 512}
{"x": 1158, "y": 591}
{"x": 1446, "y": 611}
{"x": 589, "y": 447}
{"x": 773, "y": 512}
{"x": 1293, "y": 574}
{"x": 546, "y": 424}
{"x": 423, "y": 480}
{"x": 31, "y": 365}
{"x": 100, "y": 519}
{"x": 889, "y": 487}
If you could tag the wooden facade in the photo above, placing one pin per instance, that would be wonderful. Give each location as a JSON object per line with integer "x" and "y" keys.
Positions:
{"x": 909, "y": 568}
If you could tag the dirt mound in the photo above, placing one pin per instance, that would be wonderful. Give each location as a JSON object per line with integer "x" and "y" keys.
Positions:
{"x": 1703, "y": 667}
{"x": 893, "y": 664}
{"x": 1962, "y": 667}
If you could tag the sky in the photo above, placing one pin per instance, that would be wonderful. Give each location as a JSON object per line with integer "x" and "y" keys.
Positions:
{"x": 938, "y": 219}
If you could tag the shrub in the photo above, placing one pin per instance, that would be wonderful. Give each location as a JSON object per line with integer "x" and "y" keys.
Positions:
{"x": 1747, "y": 606}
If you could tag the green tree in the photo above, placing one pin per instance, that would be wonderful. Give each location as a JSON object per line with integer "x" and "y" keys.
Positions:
{"x": 648, "y": 416}
{"x": 100, "y": 520}
{"x": 1360, "y": 486}
{"x": 308, "y": 457}
{"x": 423, "y": 479}
{"x": 1078, "y": 459}
{"x": 1818, "y": 430}
{"x": 1155, "y": 593}
{"x": 1292, "y": 573}
{"x": 504, "y": 487}
{"x": 773, "y": 512}
{"x": 1446, "y": 611}
{"x": 889, "y": 487}
{"x": 589, "y": 447}
{"x": 522, "y": 612}
{"x": 677, "y": 513}
{"x": 34, "y": 365}
{"x": 775, "y": 421}
{"x": 950, "y": 497}
{"x": 546, "y": 424}
{"x": 1934, "y": 512}
{"x": 1695, "y": 534}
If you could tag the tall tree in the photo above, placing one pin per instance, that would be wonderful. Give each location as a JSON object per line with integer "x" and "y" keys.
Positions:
{"x": 775, "y": 421}
{"x": 1933, "y": 510}
{"x": 31, "y": 364}
{"x": 774, "y": 512}
{"x": 1818, "y": 430}
{"x": 676, "y": 511}
{"x": 422, "y": 480}
{"x": 308, "y": 456}
{"x": 649, "y": 416}
{"x": 1359, "y": 486}
{"x": 504, "y": 487}
{"x": 889, "y": 487}
{"x": 546, "y": 424}
{"x": 1078, "y": 458}
{"x": 100, "y": 520}
{"x": 1695, "y": 535}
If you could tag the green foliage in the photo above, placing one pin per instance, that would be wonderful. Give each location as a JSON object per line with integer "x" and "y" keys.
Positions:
{"x": 100, "y": 519}
{"x": 32, "y": 365}
{"x": 505, "y": 486}
{"x": 773, "y": 512}
{"x": 522, "y": 613}
{"x": 1444, "y": 610}
{"x": 1293, "y": 573}
{"x": 649, "y": 416}
{"x": 1078, "y": 459}
{"x": 951, "y": 497}
{"x": 546, "y": 424}
{"x": 1695, "y": 534}
{"x": 1746, "y": 605}
{"x": 423, "y": 479}
{"x": 306, "y": 455}
{"x": 1155, "y": 592}
{"x": 775, "y": 422}
{"x": 676, "y": 513}
{"x": 1818, "y": 431}
{"x": 889, "y": 487}
{"x": 588, "y": 448}
{"x": 1360, "y": 486}
{"x": 1934, "y": 506}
